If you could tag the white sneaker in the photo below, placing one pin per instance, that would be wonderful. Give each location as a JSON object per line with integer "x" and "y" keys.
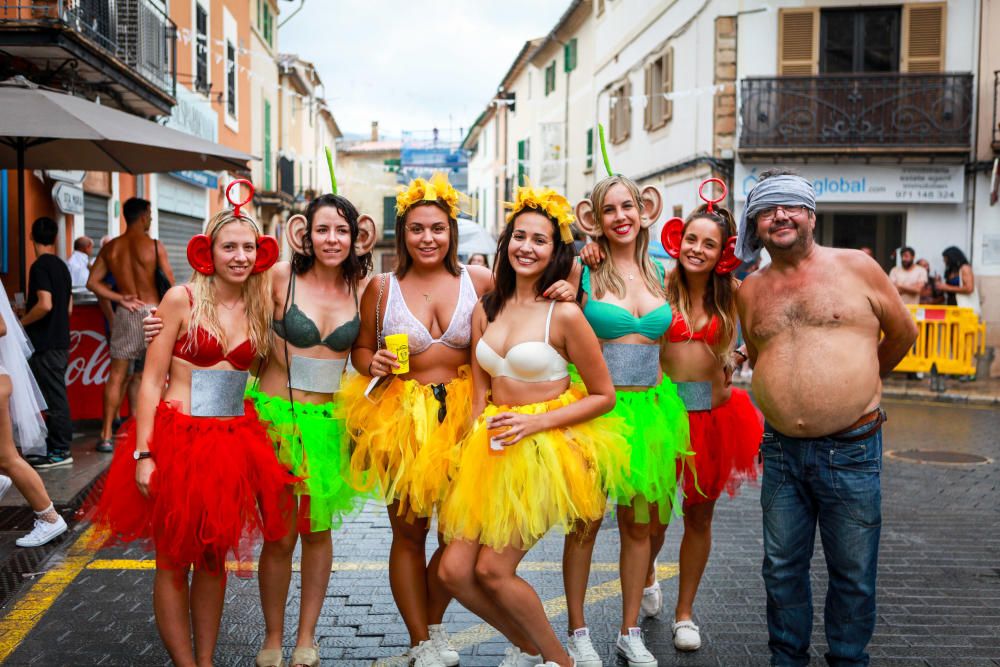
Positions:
{"x": 686, "y": 636}
{"x": 633, "y": 650}
{"x": 439, "y": 638}
{"x": 551, "y": 663}
{"x": 652, "y": 600}
{"x": 581, "y": 649}
{"x": 43, "y": 533}
{"x": 425, "y": 655}
{"x": 515, "y": 657}
{"x": 5, "y": 483}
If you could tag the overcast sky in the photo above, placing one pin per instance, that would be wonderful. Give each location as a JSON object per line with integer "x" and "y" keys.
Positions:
{"x": 412, "y": 64}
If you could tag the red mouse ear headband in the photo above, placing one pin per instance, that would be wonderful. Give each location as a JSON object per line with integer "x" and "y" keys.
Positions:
{"x": 673, "y": 232}
{"x": 199, "y": 250}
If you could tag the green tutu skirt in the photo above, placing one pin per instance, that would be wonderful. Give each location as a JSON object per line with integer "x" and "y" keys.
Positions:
{"x": 313, "y": 445}
{"x": 660, "y": 445}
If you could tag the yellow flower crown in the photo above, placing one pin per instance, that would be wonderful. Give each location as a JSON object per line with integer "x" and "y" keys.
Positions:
{"x": 436, "y": 188}
{"x": 550, "y": 202}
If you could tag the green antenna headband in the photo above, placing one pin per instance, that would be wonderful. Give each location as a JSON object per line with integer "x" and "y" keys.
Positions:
{"x": 333, "y": 176}
{"x": 604, "y": 149}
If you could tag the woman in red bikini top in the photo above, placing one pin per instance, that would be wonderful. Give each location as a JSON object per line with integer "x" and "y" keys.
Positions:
{"x": 196, "y": 475}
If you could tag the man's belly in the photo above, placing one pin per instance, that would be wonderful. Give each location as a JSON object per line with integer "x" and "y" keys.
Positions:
{"x": 816, "y": 382}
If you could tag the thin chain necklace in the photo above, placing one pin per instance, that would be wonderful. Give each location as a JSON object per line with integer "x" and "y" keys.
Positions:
{"x": 235, "y": 303}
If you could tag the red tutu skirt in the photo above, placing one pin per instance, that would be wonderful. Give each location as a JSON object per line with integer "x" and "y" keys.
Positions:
{"x": 725, "y": 441}
{"x": 217, "y": 489}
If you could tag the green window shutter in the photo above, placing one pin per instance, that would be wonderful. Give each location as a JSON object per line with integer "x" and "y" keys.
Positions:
{"x": 520, "y": 163}
{"x": 590, "y": 148}
{"x": 260, "y": 16}
{"x": 569, "y": 55}
{"x": 268, "y": 167}
{"x": 388, "y": 217}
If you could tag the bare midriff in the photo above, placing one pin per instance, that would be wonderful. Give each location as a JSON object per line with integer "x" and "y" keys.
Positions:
{"x": 635, "y": 339}
{"x": 508, "y": 391}
{"x": 694, "y": 361}
{"x": 178, "y": 390}
{"x": 437, "y": 364}
{"x": 274, "y": 380}
{"x": 817, "y": 368}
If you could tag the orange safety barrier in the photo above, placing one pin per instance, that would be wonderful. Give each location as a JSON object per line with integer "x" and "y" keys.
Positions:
{"x": 947, "y": 336}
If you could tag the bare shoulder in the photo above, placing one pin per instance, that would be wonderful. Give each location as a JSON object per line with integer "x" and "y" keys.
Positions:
{"x": 567, "y": 313}
{"x": 482, "y": 278}
{"x": 363, "y": 284}
{"x": 176, "y": 300}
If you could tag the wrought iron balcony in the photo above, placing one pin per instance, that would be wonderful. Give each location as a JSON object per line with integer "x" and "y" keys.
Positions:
{"x": 856, "y": 113}
{"x": 124, "y": 49}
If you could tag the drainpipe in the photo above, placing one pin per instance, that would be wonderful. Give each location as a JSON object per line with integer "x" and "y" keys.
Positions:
{"x": 4, "y": 201}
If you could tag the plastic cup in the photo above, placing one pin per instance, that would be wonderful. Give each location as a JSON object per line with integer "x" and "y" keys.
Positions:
{"x": 399, "y": 345}
{"x": 497, "y": 447}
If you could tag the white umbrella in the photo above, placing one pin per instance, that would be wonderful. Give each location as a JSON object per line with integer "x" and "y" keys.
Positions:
{"x": 473, "y": 239}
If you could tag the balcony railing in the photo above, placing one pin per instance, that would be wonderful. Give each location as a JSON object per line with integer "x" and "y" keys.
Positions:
{"x": 136, "y": 32}
{"x": 857, "y": 112}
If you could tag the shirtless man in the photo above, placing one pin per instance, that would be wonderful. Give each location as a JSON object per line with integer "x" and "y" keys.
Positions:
{"x": 132, "y": 259}
{"x": 812, "y": 320}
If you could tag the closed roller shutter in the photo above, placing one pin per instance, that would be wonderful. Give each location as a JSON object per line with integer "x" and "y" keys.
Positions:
{"x": 95, "y": 217}
{"x": 175, "y": 232}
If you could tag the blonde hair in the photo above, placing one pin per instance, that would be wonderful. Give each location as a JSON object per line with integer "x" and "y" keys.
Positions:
{"x": 606, "y": 277}
{"x": 720, "y": 293}
{"x": 256, "y": 295}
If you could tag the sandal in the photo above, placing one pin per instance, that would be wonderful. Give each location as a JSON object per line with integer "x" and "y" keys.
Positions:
{"x": 270, "y": 657}
{"x": 307, "y": 655}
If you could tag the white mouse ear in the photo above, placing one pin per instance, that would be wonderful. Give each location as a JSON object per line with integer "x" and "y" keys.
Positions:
{"x": 366, "y": 235}
{"x": 651, "y": 203}
{"x": 585, "y": 219}
{"x": 295, "y": 232}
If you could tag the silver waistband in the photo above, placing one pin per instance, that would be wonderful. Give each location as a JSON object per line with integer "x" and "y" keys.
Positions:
{"x": 318, "y": 375}
{"x": 696, "y": 395}
{"x": 632, "y": 365}
{"x": 217, "y": 393}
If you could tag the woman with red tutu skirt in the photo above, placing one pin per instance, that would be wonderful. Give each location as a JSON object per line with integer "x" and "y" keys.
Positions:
{"x": 697, "y": 354}
{"x": 197, "y": 471}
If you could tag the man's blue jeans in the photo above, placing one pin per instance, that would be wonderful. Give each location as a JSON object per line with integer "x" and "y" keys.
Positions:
{"x": 838, "y": 484}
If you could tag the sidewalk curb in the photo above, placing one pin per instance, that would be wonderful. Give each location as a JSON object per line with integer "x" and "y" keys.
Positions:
{"x": 904, "y": 393}
{"x": 23, "y": 566}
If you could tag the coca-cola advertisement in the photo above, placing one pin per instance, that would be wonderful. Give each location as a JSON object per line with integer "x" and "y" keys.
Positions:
{"x": 89, "y": 363}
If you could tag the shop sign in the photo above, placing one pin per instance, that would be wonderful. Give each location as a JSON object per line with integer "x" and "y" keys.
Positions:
{"x": 68, "y": 176}
{"x": 869, "y": 184}
{"x": 203, "y": 179}
{"x": 69, "y": 198}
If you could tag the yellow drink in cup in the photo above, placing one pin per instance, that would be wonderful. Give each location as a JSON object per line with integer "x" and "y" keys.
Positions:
{"x": 399, "y": 345}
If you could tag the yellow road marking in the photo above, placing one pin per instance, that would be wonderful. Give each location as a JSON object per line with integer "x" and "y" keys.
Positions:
{"x": 35, "y": 603}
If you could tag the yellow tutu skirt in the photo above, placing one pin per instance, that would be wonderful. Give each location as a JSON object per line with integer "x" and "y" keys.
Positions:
{"x": 551, "y": 478}
{"x": 406, "y": 429}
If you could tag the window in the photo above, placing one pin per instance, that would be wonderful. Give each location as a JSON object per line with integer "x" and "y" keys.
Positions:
{"x": 550, "y": 77}
{"x": 659, "y": 76}
{"x": 388, "y": 218}
{"x": 265, "y": 21}
{"x": 859, "y": 40}
{"x": 523, "y": 160}
{"x": 231, "y": 79}
{"x": 569, "y": 55}
{"x": 590, "y": 148}
{"x": 621, "y": 112}
{"x": 268, "y": 165}
{"x": 201, "y": 83}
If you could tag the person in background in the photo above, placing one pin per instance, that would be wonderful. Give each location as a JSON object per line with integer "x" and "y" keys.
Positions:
{"x": 46, "y": 322}
{"x": 79, "y": 261}
{"x": 479, "y": 259}
{"x": 929, "y": 293}
{"x": 908, "y": 278}
{"x": 21, "y": 424}
{"x": 959, "y": 283}
{"x": 133, "y": 259}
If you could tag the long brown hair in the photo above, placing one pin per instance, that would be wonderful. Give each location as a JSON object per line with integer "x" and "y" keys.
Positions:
{"x": 720, "y": 293}
{"x": 606, "y": 277}
{"x": 405, "y": 261}
{"x": 505, "y": 278}
{"x": 256, "y": 295}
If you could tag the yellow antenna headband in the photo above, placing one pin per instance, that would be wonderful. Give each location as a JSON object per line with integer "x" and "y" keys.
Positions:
{"x": 549, "y": 202}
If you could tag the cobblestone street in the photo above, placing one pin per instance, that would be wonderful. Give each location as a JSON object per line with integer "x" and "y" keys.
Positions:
{"x": 939, "y": 580}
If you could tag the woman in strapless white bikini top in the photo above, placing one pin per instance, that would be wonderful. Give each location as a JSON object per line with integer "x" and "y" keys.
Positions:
{"x": 534, "y": 456}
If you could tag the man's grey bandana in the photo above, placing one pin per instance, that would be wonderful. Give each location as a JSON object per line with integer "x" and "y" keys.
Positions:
{"x": 785, "y": 190}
